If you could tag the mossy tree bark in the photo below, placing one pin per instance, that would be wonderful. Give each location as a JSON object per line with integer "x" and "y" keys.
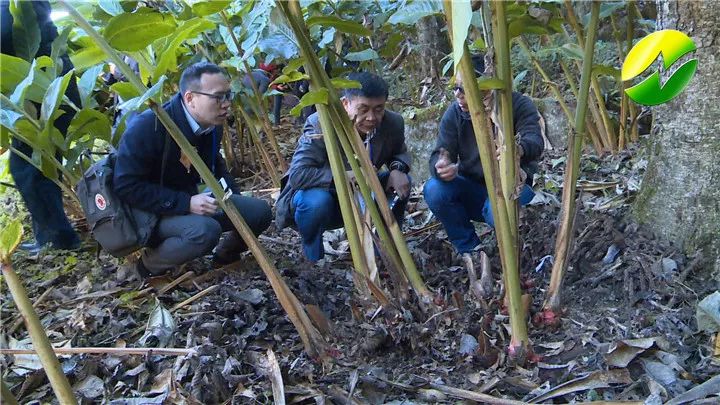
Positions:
{"x": 680, "y": 194}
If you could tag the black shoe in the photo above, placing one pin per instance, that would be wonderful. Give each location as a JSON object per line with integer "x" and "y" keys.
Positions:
{"x": 223, "y": 260}
{"x": 141, "y": 269}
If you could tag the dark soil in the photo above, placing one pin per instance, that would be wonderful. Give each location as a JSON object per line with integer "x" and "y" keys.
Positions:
{"x": 404, "y": 356}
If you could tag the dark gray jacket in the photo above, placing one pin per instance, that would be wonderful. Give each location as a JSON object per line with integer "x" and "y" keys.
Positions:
{"x": 458, "y": 138}
{"x": 310, "y": 166}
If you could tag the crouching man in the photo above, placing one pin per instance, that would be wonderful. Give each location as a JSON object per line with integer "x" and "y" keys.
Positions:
{"x": 152, "y": 174}
{"x": 309, "y": 199}
{"x": 456, "y": 192}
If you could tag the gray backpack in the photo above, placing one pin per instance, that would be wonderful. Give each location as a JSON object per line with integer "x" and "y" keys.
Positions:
{"x": 117, "y": 227}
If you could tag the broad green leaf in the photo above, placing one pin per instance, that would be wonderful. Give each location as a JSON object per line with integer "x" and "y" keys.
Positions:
{"x": 525, "y": 25}
{"x": 134, "y": 31}
{"x": 490, "y": 83}
{"x": 58, "y": 49}
{"x": 391, "y": 48}
{"x": 10, "y": 238}
{"x": 350, "y": 27}
{"x": 342, "y": 83}
{"x": 87, "y": 57}
{"x": 88, "y": 122}
{"x": 367, "y": 54}
{"x": 87, "y": 81}
{"x": 14, "y": 70}
{"x": 477, "y": 45}
{"x": 414, "y": 11}
{"x": 18, "y": 96}
{"x": 519, "y": 78}
{"x": 461, "y": 15}
{"x": 188, "y": 29}
{"x": 572, "y": 51}
{"x": 9, "y": 117}
{"x": 293, "y": 65}
{"x": 606, "y": 70}
{"x": 112, "y": 7}
{"x": 209, "y": 7}
{"x": 53, "y": 98}
{"x": 125, "y": 90}
{"x": 290, "y": 77}
{"x": 135, "y": 103}
{"x": 278, "y": 46}
{"x": 319, "y": 96}
{"x": 25, "y": 29}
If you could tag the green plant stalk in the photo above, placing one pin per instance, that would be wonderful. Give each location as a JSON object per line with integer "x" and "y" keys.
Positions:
{"x": 230, "y": 156}
{"x": 314, "y": 343}
{"x": 294, "y": 14}
{"x": 604, "y": 117}
{"x": 40, "y": 341}
{"x": 565, "y": 233}
{"x": 64, "y": 187}
{"x": 508, "y": 158}
{"x": 258, "y": 144}
{"x": 264, "y": 119}
{"x": 622, "y": 117}
{"x": 6, "y": 395}
{"x": 519, "y": 346}
{"x": 595, "y": 137}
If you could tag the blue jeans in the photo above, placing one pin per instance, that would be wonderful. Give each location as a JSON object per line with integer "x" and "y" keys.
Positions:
{"x": 318, "y": 210}
{"x": 458, "y": 202}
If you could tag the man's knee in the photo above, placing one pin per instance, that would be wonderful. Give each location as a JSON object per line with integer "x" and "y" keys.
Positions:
{"x": 312, "y": 206}
{"x": 201, "y": 231}
{"x": 436, "y": 192}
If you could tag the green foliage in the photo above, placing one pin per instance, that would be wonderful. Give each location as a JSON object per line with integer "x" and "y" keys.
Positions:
{"x": 409, "y": 12}
{"x": 26, "y": 33}
{"x": 319, "y": 96}
{"x": 461, "y": 16}
{"x": 10, "y": 237}
{"x": 134, "y": 31}
{"x": 341, "y": 25}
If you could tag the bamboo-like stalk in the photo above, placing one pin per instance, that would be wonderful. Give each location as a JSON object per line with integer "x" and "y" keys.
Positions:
{"x": 565, "y": 232}
{"x": 609, "y": 137}
{"x": 592, "y": 130}
{"x": 622, "y": 117}
{"x": 6, "y": 395}
{"x": 519, "y": 346}
{"x": 364, "y": 173}
{"x": 264, "y": 119}
{"x": 634, "y": 125}
{"x": 117, "y": 351}
{"x": 40, "y": 341}
{"x": 230, "y": 156}
{"x": 314, "y": 343}
{"x": 240, "y": 112}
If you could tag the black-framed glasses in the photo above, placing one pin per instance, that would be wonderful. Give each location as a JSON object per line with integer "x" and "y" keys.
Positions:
{"x": 219, "y": 98}
{"x": 459, "y": 88}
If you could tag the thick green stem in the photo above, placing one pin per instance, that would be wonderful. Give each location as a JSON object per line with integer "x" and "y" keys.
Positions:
{"x": 311, "y": 338}
{"x": 40, "y": 341}
{"x": 508, "y": 253}
{"x": 264, "y": 119}
{"x": 565, "y": 233}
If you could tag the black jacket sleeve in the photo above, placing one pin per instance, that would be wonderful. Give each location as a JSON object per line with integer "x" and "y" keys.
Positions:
{"x": 310, "y": 167}
{"x": 527, "y": 127}
{"x": 137, "y": 158}
{"x": 447, "y": 139}
{"x": 401, "y": 158}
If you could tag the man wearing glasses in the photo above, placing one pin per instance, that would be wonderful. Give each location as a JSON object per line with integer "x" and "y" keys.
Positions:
{"x": 152, "y": 174}
{"x": 456, "y": 192}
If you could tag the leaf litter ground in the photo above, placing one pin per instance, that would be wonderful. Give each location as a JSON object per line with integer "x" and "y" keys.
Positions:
{"x": 623, "y": 284}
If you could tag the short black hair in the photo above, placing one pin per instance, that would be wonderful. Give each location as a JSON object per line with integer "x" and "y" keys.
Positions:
{"x": 190, "y": 79}
{"x": 478, "y": 61}
{"x": 373, "y": 86}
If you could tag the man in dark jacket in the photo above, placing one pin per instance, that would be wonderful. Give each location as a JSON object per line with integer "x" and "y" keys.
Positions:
{"x": 309, "y": 199}
{"x": 190, "y": 223}
{"x": 456, "y": 192}
{"x": 42, "y": 197}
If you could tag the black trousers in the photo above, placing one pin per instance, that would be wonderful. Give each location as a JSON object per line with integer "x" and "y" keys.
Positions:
{"x": 181, "y": 238}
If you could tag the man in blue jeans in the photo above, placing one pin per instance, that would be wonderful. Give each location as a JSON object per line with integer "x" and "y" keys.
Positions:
{"x": 309, "y": 199}
{"x": 456, "y": 192}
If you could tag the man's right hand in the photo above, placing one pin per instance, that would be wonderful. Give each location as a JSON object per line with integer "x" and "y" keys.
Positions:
{"x": 446, "y": 170}
{"x": 203, "y": 204}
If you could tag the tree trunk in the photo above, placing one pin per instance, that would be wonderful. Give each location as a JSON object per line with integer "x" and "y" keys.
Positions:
{"x": 680, "y": 194}
{"x": 429, "y": 40}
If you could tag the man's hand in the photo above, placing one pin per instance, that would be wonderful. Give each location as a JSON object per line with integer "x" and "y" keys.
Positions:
{"x": 203, "y": 204}
{"x": 399, "y": 182}
{"x": 446, "y": 170}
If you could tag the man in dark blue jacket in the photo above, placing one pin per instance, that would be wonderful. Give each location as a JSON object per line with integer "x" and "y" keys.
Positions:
{"x": 309, "y": 199}
{"x": 42, "y": 197}
{"x": 190, "y": 224}
{"x": 456, "y": 192}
